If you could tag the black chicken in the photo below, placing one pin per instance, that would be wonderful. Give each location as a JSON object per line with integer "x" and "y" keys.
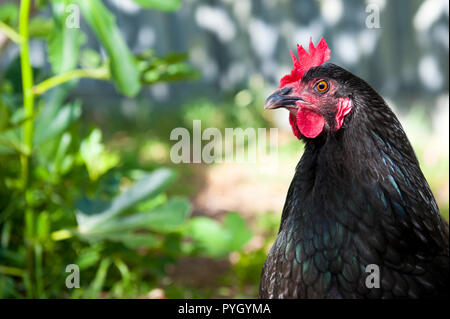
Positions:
{"x": 358, "y": 196}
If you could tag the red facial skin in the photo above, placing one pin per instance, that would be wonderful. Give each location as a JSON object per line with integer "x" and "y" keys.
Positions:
{"x": 308, "y": 117}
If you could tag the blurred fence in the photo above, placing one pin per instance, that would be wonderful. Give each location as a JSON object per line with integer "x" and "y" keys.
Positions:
{"x": 230, "y": 41}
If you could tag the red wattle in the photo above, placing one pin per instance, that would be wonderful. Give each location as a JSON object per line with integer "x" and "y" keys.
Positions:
{"x": 293, "y": 122}
{"x": 310, "y": 123}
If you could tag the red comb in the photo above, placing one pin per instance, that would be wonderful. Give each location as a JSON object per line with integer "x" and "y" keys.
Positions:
{"x": 317, "y": 55}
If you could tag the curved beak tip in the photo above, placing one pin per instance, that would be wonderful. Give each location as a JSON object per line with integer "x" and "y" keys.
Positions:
{"x": 280, "y": 98}
{"x": 270, "y": 104}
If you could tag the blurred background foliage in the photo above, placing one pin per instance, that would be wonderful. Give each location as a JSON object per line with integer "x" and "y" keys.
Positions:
{"x": 101, "y": 191}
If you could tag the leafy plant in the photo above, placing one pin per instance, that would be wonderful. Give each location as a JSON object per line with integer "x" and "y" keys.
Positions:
{"x": 227, "y": 238}
{"x": 64, "y": 197}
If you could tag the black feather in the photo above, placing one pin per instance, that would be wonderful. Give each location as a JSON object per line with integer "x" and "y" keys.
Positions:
{"x": 358, "y": 197}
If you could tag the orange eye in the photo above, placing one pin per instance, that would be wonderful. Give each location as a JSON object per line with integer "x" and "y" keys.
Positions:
{"x": 322, "y": 86}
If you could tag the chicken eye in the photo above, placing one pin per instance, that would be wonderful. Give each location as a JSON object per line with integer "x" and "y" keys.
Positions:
{"x": 322, "y": 86}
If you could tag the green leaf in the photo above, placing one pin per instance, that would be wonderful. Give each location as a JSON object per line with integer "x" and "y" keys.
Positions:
{"x": 61, "y": 161}
{"x": 13, "y": 121}
{"x": 11, "y": 142}
{"x": 165, "y": 218}
{"x": 10, "y": 136}
{"x": 43, "y": 226}
{"x": 122, "y": 63}
{"x": 133, "y": 241}
{"x": 238, "y": 229}
{"x": 41, "y": 3}
{"x": 124, "y": 271}
{"x": 5, "y": 234}
{"x": 41, "y": 27}
{"x": 64, "y": 43}
{"x": 88, "y": 257}
{"x": 8, "y": 288}
{"x": 151, "y": 203}
{"x": 216, "y": 240}
{"x": 163, "y": 5}
{"x": 174, "y": 72}
{"x": 90, "y": 59}
{"x": 208, "y": 235}
{"x": 53, "y": 120}
{"x": 9, "y": 12}
{"x": 51, "y": 137}
{"x": 96, "y": 285}
{"x": 4, "y": 116}
{"x": 98, "y": 161}
{"x": 164, "y": 69}
{"x": 149, "y": 186}
{"x": 170, "y": 216}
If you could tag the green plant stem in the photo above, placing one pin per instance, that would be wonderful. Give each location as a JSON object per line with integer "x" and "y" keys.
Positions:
{"x": 38, "y": 252}
{"x": 28, "y": 103}
{"x": 11, "y": 271}
{"x": 44, "y": 86}
{"x": 10, "y": 32}
{"x": 29, "y": 243}
{"x": 27, "y": 83}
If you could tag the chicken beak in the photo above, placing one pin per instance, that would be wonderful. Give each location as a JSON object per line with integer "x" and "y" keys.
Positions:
{"x": 281, "y": 98}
